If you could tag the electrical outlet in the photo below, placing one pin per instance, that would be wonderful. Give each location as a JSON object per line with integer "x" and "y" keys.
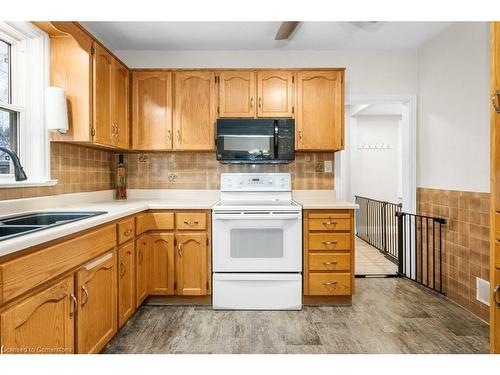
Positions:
{"x": 328, "y": 166}
{"x": 172, "y": 177}
{"x": 319, "y": 167}
{"x": 483, "y": 291}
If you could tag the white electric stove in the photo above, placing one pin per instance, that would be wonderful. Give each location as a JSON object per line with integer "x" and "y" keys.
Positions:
{"x": 257, "y": 243}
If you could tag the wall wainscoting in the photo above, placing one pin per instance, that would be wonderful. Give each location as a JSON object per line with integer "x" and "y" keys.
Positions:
{"x": 466, "y": 241}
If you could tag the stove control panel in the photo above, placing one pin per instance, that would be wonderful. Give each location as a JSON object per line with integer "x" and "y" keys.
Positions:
{"x": 256, "y": 182}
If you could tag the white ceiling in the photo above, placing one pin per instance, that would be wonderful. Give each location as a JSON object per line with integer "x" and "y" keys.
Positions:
{"x": 260, "y": 35}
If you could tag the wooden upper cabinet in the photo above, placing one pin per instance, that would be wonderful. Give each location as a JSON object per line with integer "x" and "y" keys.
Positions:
{"x": 161, "y": 269}
{"x": 275, "y": 93}
{"x": 126, "y": 282}
{"x": 194, "y": 110}
{"x": 320, "y": 110}
{"x": 192, "y": 264}
{"x": 152, "y": 111}
{"x": 103, "y": 97}
{"x": 97, "y": 295}
{"x": 236, "y": 94}
{"x": 71, "y": 68}
{"x": 120, "y": 105}
{"x": 42, "y": 323}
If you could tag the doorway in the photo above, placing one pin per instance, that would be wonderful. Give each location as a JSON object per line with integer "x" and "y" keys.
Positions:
{"x": 377, "y": 169}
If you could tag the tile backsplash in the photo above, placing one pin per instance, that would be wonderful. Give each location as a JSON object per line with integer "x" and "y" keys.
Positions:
{"x": 466, "y": 241}
{"x": 80, "y": 169}
{"x": 201, "y": 170}
{"x": 77, "y": 169}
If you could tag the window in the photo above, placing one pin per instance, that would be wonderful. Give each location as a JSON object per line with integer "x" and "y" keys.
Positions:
{"x": 24, "y": 62}
{"x": 8, "y": 118}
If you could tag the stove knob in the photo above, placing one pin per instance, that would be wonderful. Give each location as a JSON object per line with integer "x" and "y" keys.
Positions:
{"x": 241, "y": 181}
{"x": 270, "y": 181}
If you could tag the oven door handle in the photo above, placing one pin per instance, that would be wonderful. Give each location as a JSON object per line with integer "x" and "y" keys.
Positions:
{"x": 257, "y": 216}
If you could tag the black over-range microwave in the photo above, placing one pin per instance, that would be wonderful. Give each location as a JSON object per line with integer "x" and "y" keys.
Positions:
{"x": 255, "y": 141}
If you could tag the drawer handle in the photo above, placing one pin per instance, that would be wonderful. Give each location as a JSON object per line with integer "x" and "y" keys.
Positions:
{"x": 329, "y": 263}
{"x": 74, "y": 304}
{"x": 122, "y": 269}
{"x": 495, "y": 294}
{"x": 191, "y": 222}
{"x": 329, "y": 283}
{"x": 329, "y": 243}
{"x": 128, "y": 232}
{"x": 86, "y": 293}
{"x": 329, "y": 222}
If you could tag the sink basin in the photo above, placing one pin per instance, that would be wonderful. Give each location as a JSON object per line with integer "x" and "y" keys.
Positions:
{"x": 16, "y": 229}
{"x": 47, "y": 218}
{"x": 19, "y": 225}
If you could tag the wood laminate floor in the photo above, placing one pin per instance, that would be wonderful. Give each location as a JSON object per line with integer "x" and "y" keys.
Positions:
{"x": 388, "y": 315}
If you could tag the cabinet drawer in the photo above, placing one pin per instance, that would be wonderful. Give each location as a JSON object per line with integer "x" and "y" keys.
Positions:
{"x": 330, "y": 284}
{"x": 191, "y": 220}
{"x": 24, "y": 273}
{"x": 329, "y": 223}
{"x": 329, "y": 241}
{"x": 125, "y": 230}
{"x": 329, "y": 262}
{"x": 154, "y": 221}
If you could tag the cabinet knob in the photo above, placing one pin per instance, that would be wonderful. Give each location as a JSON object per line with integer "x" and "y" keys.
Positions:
{"x": 494, "y": 101}
{"x": 122, "y": 269}
{"x": 495, "y": 295}
{"x": 86, "y": 294}
{"x": 128, "y": 232}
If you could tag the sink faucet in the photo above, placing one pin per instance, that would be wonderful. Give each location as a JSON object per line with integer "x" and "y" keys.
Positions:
{"x": 18, "y": 168}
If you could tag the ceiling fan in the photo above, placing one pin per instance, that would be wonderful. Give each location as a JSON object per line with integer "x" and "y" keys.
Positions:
{"x": 287, "y": 28}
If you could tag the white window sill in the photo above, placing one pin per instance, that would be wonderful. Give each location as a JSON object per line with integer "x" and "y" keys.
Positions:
{"x": 18, "y": 184}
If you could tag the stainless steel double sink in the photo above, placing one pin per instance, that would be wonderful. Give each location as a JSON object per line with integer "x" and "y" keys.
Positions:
{"x": 19, "y": 225}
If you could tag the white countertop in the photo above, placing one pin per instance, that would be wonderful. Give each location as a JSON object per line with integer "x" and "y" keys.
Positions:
{"x": 321, "y": 199}
{"x": 139, "y": 200}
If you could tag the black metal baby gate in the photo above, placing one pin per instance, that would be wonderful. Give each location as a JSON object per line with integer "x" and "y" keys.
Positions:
{"x": 413, "y": 242}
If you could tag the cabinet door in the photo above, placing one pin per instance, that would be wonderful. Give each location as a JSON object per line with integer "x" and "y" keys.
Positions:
{"x": 126, "y": 282}
{"x": 120, "y": 105}
{"x": 161, "y": 264}
{"x": 42, "y": 323}
{"x": 320, "y": 110}
{"x": 495, "y": 313}
{"x": 103, "y": 97}
{"x": 141, "y": 269}
{"x": 152, "y": 110}
{"x": 275, "y": 93}
{"x": 237, "y": 94}
{"x": 192, "y": 264}
{"x": 97, "y": 297}
{"x": 194, "y": 110}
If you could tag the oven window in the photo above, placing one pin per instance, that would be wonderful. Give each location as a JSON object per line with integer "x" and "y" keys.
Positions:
{"x": 257, "y": 243}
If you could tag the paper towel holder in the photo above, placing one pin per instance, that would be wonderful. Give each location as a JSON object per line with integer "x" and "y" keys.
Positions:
{"x": 56, "y": 110}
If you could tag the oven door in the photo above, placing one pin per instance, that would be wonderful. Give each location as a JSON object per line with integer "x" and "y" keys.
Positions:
{"x": 257, "y": 241}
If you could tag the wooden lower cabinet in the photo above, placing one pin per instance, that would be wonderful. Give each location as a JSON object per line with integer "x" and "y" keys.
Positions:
{"x": 97, "y": 297}
{"x": 126, "y": 282}
{"x": 161, "y": 264}
{"x": 141, "y": 269}
{"x": 192, "y": 264}
{"x": 42, "y": 323}
{"x": 328, "y": 255}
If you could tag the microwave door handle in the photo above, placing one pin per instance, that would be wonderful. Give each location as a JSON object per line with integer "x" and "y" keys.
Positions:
{"x": 276, "y": 137}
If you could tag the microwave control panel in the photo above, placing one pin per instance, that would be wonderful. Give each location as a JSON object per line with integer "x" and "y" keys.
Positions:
{"x": 256, "y": 182}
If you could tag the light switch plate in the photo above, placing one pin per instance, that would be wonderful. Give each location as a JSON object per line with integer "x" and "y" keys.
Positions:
{"x": 327, "y": 166}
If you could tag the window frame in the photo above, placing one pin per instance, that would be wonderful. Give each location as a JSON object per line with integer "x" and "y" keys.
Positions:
{"x": 29, "y": 76}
